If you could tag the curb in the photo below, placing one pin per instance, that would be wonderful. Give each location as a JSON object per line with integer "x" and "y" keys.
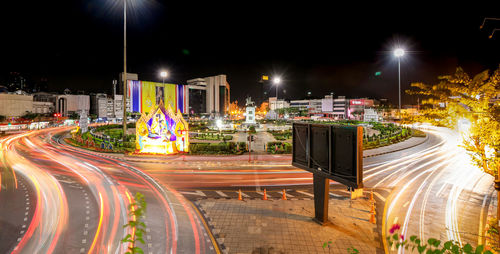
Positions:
{"x": 164, "y": 162}
{"x": 397, "y": 150}
{"x": 217, "y": 241}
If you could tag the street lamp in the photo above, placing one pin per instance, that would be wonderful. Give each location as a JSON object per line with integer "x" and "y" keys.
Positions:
{"x": 163, "y": 75}
{"x": 399, "y": 52}
{"x": 124, "y": 69}
{"x": 277, "y": 81}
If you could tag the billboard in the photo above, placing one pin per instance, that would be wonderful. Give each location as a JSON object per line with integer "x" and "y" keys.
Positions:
{"x": 162, "y": 131}
{"x": 146, "y": 95}
{"x": 332, "y": 151}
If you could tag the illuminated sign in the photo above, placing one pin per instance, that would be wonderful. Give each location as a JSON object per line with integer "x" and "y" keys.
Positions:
{"x": 162, "y": 132}
{"x": 265, "y": 77}
{"x": 356, "y": 102}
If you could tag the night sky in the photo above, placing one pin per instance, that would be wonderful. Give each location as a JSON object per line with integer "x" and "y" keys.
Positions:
{"x": 312, "y": 46}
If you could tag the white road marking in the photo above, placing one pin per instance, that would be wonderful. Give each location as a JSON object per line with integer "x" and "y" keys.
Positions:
{"x": 198, "y": 193}
{"x": 221, "y": 194}
{"x": 305, "y": 193}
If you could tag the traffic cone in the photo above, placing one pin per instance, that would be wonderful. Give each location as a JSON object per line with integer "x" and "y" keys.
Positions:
{"x": 372, "y": 218}
{"x": 371, "y": 196}
{"x": 372, "y": 214}
{"x": 265, "y": 195}
{"x": 239, "y": 195}
{"x": 373, "y": 209}
{"x": 284, "y": 195}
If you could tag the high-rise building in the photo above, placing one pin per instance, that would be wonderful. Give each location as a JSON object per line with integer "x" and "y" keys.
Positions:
{"x": 340, "y": 107}
{"x": 99, "y": 104}
{"x": 213, "y": 92}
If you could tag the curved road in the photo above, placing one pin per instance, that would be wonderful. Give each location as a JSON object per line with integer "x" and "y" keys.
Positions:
{"x": 65, "y": 200}
{"x": 431, "y": 190}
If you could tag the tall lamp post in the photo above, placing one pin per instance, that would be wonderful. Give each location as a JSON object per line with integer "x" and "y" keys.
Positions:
{"x": 276, "y": 82}
{"x": 124, "y": 78}
{"x": 399, "y": 52}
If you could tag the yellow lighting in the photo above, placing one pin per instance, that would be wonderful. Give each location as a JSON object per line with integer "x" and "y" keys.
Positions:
{"x": 162, "y": 132}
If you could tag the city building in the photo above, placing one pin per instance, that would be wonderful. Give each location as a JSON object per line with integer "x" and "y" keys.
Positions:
{"x": 357, "y": 107}
{"x": 301, "y": 104}
{"x": 118, "y": 106}
{"x": 41, "y": 107}
{"x": 277, "y": 104}
{"x": 327, "y": 104}
{"x": 15, "y": 105}
{"x": 370, "y": 115}
{"x": 340, "y": 107}
{"x": 315, "y": 107}
{"x": 68, "y": 104}
{"x": 99, "y": 105}
{"x": 215, "y": 91}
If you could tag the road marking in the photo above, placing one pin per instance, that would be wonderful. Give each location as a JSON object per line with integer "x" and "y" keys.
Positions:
{"x": 84, "y": 240}
{"x": 305, "y": 193}
{"x": 221, "y": 194}
{"x": 441, "y": 189}
{"x": 406, "y": 204}
{"x": 198, "y": 193}
{"x": 379, "y": 196}
{"x": 337, "y": 196}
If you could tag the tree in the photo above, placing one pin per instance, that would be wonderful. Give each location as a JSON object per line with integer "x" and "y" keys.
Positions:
{"x": 458, "y": 97}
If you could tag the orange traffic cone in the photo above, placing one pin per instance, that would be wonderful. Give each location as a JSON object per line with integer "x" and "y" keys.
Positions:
{"x": 372, "y": 218}
{"x": 265, "y": 195}
{"x": 284, "y": 195}
{"x": 371, "y": 196}
{"x": 372, "y": 215}
{"x": 239, "y": 195}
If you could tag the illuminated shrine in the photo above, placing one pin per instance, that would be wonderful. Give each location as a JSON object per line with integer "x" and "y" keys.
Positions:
{"x": 162, "y": 132}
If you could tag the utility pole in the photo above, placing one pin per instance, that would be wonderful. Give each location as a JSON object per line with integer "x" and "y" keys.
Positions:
{"x": 124, "y": 78}
{"x": 249, "y": 145}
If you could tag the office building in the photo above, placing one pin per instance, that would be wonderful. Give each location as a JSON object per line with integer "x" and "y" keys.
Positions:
{"x": 212, "y": 91}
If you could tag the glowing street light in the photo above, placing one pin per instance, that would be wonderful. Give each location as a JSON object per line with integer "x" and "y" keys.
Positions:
{"x": 399, "y": 52}
{"x": 277, "y": 81}
{"x": 163, "y": 75}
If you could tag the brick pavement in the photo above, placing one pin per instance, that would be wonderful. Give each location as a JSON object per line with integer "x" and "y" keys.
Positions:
{"x": 286, "y": 226}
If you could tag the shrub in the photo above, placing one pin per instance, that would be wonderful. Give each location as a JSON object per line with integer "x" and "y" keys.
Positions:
{"x": 212, "y": 148}
{"x": 279, "y": 147}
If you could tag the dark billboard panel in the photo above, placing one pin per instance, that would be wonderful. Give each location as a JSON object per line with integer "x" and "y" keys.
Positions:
{"x": 320, "y": 137}
{"x": 299, "y": 144}
{"x": 332, "y": 151}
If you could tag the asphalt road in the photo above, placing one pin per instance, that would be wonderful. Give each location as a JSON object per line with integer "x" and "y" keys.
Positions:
{"x": 65, "y": 200}
{"x": 431, "y": 190}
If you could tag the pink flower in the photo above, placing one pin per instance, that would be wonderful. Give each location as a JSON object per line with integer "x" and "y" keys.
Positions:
{"x": 394, "y": 228}
{"x": 402, "y": 237}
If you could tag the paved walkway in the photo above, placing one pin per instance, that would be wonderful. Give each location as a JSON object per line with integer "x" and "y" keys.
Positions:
{"x": 285, "y": 226}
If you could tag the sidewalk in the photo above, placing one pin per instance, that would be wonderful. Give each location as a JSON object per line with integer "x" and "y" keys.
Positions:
{"x": 285, "y": 226}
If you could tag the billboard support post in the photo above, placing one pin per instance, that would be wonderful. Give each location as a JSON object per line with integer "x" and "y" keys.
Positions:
{"x": 321, "y": 187}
